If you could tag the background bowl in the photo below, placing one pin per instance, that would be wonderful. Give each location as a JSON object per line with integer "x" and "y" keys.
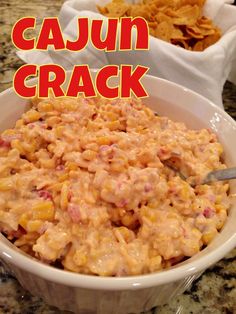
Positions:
{"x": 88, "y": 294}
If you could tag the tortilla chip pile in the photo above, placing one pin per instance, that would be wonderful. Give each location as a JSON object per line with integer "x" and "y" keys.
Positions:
{"x": 179, "y": 22}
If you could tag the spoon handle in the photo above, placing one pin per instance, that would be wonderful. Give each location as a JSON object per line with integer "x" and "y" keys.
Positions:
{"x": 220, "y": 175}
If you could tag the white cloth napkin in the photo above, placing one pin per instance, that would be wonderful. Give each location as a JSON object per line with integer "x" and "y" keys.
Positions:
{"x": 204, "y": 72}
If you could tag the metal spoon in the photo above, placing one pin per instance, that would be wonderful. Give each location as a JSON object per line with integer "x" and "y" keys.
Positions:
{"x": 220, "y": 175}
{"x": 213, "y": 176}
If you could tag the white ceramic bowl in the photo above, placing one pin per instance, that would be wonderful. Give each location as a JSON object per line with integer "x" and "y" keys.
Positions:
{"x": 90, "y": 294}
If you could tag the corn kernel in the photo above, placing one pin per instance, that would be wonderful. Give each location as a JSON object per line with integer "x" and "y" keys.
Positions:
{"x": 31, "y": 116}
{"x": 226, "y": 187}
{"x": 121, "y": 211}
{"x": 80, "y": 258}
{"x": 128, "y": 219}
{"x": 92, "y": 146}
{"x": 88, "y": 198}
{"x": 107, "y": 187}
{"x": 45, "y": 107}
{"x": 43, "y": 210}
{"x": 71, "y": 166}
{"x": 30, "y": 148}
{"x": 9, "y": 132}
{"x": 89, "y": 154}
{"x": 17, "y": 145}
{"x": 91, "y": 126}
{"x": 218, "y": 208}
{"x": 145, "y": 157}
{"x": 220, "y": 149}
{"x": 63, "y": 177}
{"x": 27, "y": 239}
{"x": 152, "y": 217}
{"x": 149, "y": 214}
{"x": 207, "y": 237}
{"x": 70, "y": 106}
{"x": 51, "y": 147}
{"x": 58, "y": 105}
{"x": 139, "y": 128}
{"x": 6, "y": 184}
{"x": 125, "y": 233}
{"x": 155, "y": 263}
{"x": 148, "y": 112}
{"x": 112, "y": 116}
{"x": 222, "y": 216}
{"x": 23, "y": 221}
{"x": 218, "y": 199}
{"x": 47, "y": 163}
{"x": 19, "y": 123}
{"x": 143, "y": 131}
{"x": 114, "y": 125}
{"x": 103, "y": 140}
{"x": 53, "y": 121}
{"x": 117, "y": 167}
{"x": 59, "y": 130}
{"x": 34, "y": 225}
{"x": 185, "y": 192}
{"x": 114, "y": 215}
{"x": 31, "y": 157}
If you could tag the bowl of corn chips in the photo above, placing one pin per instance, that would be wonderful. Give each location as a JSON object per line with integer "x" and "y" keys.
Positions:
{"x": 191, "y": 42}
{"x": 83, "y": 293}
{"x": 180, "y": 23}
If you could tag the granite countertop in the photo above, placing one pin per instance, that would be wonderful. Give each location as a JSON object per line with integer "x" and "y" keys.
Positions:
{"x": 214, "y": 292}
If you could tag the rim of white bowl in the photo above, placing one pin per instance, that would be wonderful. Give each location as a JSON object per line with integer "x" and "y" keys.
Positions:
{"x": 50, "y": 273}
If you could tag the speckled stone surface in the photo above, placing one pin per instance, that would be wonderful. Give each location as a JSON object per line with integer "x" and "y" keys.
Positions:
{"x": 214, "y": 292}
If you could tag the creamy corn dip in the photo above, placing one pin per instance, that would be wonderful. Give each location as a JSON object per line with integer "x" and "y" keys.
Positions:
{"x": 93, "y": 184}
